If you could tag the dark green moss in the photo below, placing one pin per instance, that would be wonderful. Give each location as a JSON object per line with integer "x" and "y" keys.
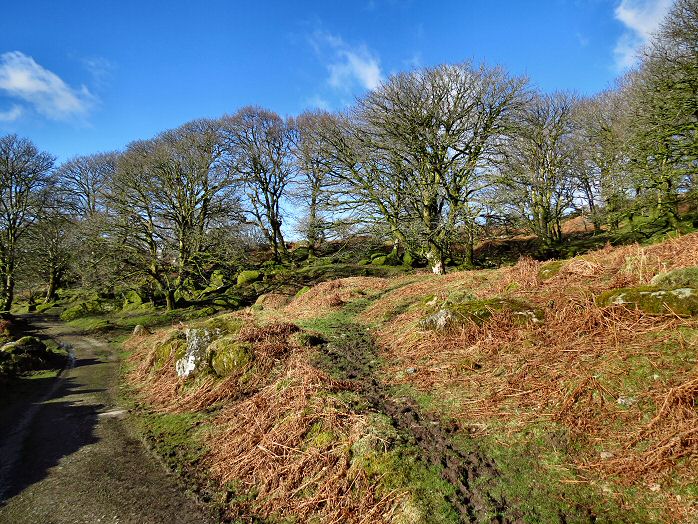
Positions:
{"x": 653, "y": 300}
{"x": 450, "y": 315}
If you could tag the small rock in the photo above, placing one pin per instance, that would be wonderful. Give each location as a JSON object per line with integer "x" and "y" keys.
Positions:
{"x": 626, "y": 401}
{"x": 140, "y": 331}
{"x": 410, "y": 370}
{"x": 605, "y": 455}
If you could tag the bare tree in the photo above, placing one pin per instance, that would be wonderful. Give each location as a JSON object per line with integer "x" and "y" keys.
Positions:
{"x": 439, "y": 129}
{"x": 314, "y": 185}
{"x": 365, "y": 188}
{"x": 537, "y": 180}
{"x": 84, "y": 179}
{"x": 168, "y": 195}
{"x": 25, "y": 178}
{"x": 258, "y": 148}
{"x": 600, "y": 142}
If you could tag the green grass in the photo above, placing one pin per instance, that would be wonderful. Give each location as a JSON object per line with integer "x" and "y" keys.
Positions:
{"x": 401, "y": 470}
{"x": 536, "y": 480}
{"x": 177, "y": 438}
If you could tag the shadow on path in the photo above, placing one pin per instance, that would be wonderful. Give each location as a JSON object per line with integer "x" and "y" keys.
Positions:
{"x": 59, "y": 428}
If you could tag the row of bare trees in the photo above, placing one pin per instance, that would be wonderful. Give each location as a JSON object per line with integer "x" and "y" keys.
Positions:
{"x": 428, "y": 159}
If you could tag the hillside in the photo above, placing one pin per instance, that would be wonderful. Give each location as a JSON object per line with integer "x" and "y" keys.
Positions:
{"x": 546, "y": 391}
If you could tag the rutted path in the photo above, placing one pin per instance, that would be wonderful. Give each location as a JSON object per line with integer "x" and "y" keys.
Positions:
{"x": 69, "y": 457}
{"x": 353, "y": 355}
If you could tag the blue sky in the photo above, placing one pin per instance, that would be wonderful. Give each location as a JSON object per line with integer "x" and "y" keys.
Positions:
{"x": 85, "y": 76}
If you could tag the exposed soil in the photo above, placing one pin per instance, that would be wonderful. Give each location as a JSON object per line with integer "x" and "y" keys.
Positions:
{"x": 353, "y": 356}
{"x": 68, "y": 456}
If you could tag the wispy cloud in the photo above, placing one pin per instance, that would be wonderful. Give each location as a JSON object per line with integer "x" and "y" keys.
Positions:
{"x": 21, "y": 77}
{"x": 12, "y": 114}
{"x": 641, "y": 19}
{"x": 100, "y": 68}
{"x": 348, "y": 66}
{"x": 318, "y": 102}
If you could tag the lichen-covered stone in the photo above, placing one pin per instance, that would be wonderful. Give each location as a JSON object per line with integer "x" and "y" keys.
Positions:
{"x": 228, "y": 356}
{"x": 140, "y": 331}
{"x": 653, "y": 300}
{"x": 678, "y": 278}
{"x": 248, "y": 277}
{"x": 450, "y": 315}
{"x": 550, "y": 269}
{"x": 196, "y": 353}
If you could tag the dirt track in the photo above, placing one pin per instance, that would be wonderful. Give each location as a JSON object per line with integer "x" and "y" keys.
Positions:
{"x": 353, "y": 356}
{"x": 67, "y": 455}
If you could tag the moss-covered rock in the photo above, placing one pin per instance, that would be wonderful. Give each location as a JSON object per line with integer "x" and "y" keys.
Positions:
{"x": 550, "y": 269}
{"x": 302, "y": 291}
{"x": 174, "y": 346}
{"x": 196, "y": 354}
{"x": 272, "y": 300}
{"x": 82, "y": 309}
{"x": 29, "y": 354}
{"x": 686, "y": 277}
{"x": 379, "y": 261}
{"x": 451, "y": 315}
{"x": 217, "y": 280}
{"x": 300, "y": 254}
{"x": 132, "y": 300}
{"x": 393, "y": 259}
{"x": 223, "y": 325}
{"x": 25, "y": 345}
{"x": 653, "y": 300}
{"x": 228, "y": 355}
{"x": 248, "y": 277}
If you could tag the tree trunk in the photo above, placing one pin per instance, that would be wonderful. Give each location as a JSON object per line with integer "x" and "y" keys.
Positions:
{"x": 470, "y": 244}
{"x": 436, "y": 260}
{"x": 9, "y": 297}
{"x": 170, "y": 299}
{"x": 52, "y": 287}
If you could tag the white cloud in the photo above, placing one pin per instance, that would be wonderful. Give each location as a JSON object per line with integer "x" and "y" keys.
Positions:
{"x": 22, "y": 78}
{"x": 318, "y": 102}
{"x": 11, "y": 114}
{"x": 349, "y": 66}
{"x": 641, "y": 19}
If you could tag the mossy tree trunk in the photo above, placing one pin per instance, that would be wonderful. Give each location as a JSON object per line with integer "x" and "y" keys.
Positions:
{"x": 52, "y": 287}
